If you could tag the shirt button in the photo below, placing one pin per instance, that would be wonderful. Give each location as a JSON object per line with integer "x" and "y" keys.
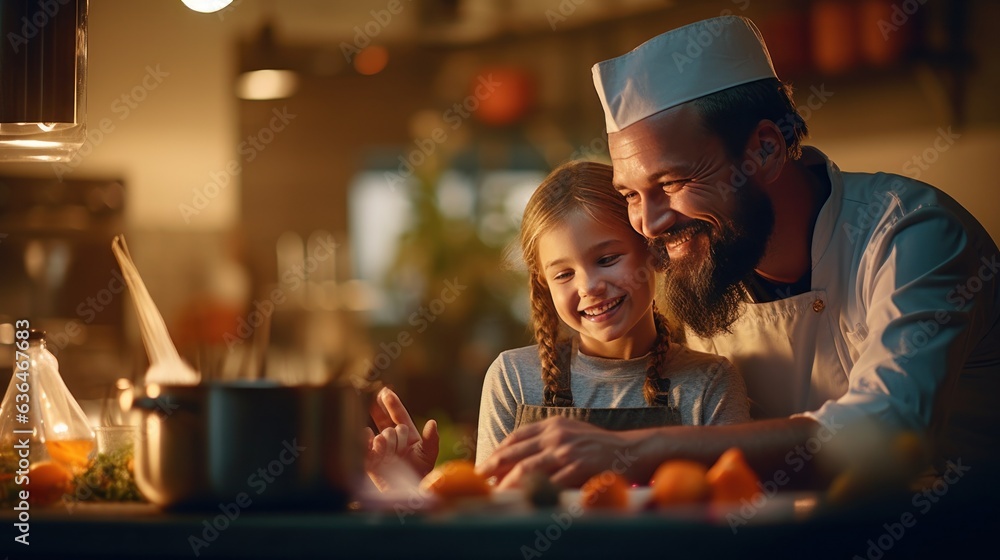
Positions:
{"x": 819, "y": 306}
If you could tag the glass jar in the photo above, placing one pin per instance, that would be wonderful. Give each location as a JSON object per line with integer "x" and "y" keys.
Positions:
{"x": 45, "y": 437}
{"x": 43, "y": 93}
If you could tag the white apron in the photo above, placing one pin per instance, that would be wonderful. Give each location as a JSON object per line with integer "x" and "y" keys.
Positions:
{"x": 784, "y": 349}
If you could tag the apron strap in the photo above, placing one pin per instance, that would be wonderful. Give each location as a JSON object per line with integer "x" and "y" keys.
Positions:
{"x": 662, "y": 391}
{"x": 562, "y": 397}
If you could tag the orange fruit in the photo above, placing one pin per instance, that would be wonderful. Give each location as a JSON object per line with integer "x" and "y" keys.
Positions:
{"x": 73, "y": 453}
{"x": 47, "y": 482}
{"x": 605, "y": 491}
{"x": 731, "y": 478}
{"x": 680, "y": 482}
{"x": 456, "y": 479}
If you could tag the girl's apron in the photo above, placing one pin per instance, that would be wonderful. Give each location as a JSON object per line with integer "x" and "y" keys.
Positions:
{"x": 560, "y": 403}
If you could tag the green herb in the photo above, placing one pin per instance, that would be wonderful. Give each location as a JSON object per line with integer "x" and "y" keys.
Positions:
{"x": 8, "y": 489}
{"x": 109, "y": 477}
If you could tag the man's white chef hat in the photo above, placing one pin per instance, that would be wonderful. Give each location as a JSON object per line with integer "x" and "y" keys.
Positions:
{"x": 680, "y": 65}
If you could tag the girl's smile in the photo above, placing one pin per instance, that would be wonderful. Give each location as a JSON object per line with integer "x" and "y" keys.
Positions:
{"x": 601, "y": 283}
{"x": 604, "y": 310}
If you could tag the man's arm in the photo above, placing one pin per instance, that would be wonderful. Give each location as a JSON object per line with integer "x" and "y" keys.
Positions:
{"x": 571, "y": 452}
{"x": 924, "y": 353}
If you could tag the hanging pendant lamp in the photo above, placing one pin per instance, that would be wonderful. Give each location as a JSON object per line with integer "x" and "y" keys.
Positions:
{"x": 43, "y": 79}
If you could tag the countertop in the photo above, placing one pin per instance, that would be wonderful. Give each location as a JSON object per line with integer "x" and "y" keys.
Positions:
{"x": 901, "y": 527}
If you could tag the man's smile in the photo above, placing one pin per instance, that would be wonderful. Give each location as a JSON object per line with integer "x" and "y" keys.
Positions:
{"x": 677, "y": 237}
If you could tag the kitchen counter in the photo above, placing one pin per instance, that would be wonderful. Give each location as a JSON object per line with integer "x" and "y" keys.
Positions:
{"x": 903, "y": 527}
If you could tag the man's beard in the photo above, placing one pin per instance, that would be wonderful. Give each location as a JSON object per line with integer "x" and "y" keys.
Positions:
{"x": 706, "y": 292}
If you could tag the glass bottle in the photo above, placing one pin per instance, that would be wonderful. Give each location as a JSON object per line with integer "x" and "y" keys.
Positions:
{"x": 22, "y": 435}
{"x": 53, "y": 416}
{"x": 45, "y": 438}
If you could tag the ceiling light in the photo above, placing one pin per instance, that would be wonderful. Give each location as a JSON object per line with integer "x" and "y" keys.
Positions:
{"x": 266, "y": 73}
{"x": 207, "y": 6}
{"x": 266, "y": 84}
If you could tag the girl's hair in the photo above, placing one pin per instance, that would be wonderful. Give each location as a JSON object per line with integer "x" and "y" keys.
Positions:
{"x": 577, "y": 186}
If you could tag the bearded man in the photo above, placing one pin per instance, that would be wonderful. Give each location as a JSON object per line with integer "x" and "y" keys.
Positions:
{"x": 844, "y": 299}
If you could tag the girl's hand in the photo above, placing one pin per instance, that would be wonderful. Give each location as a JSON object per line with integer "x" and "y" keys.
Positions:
{"x": 398, "y": 455}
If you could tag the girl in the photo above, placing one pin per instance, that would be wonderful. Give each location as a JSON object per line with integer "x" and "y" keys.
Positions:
{"x": 615, "y": 367}
{"x": 590, "y": 271}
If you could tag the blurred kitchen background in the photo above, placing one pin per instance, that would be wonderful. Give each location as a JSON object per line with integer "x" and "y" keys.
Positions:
{"x": 363, "y": 212}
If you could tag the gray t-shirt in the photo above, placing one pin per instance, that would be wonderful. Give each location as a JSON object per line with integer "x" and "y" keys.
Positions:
{"x": 705, "y": 388}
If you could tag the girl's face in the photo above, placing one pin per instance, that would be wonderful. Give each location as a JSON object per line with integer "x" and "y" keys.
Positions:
{"x": 601, "y": 283}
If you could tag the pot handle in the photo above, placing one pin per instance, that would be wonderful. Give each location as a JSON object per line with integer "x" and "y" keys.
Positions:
{"x": 165, "y": 404}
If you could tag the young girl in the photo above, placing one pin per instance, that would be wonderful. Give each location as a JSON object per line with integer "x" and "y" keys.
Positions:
{"x": 590, "y": 276}
{"x": 590, "y": 271}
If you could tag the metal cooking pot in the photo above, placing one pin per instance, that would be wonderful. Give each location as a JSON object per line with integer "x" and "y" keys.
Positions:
{"x": 257, "y": 444}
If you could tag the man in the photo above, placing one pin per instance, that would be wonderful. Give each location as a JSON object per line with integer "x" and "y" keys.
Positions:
{"x": 844, "y": 299}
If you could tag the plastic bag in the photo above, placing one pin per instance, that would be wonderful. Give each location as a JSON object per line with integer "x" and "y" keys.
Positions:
{"x": 45, "y": 437}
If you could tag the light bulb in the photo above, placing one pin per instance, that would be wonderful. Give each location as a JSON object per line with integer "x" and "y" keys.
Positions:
{"x": 267, "y": 84}
{"x": 207, "y": 6}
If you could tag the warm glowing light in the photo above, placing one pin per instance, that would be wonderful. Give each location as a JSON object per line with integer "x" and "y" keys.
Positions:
{"x": 6, "y": 333}
{"x": 60, "y": 428}
{"x": 267, "y": 84}
{"x": 207, "y": 6}
{"x": 371, "y": 60}
{"x": 30, "y": 143}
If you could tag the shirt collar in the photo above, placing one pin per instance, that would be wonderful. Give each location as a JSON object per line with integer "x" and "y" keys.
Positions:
{"x": 826, "y": 220}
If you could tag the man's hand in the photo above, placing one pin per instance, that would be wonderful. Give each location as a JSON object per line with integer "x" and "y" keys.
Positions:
{"x": 569, "y": 451}
{"x": 398, "y": 451}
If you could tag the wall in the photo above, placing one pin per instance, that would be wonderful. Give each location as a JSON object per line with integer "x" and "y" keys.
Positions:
{"x": 163, "y": 119}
